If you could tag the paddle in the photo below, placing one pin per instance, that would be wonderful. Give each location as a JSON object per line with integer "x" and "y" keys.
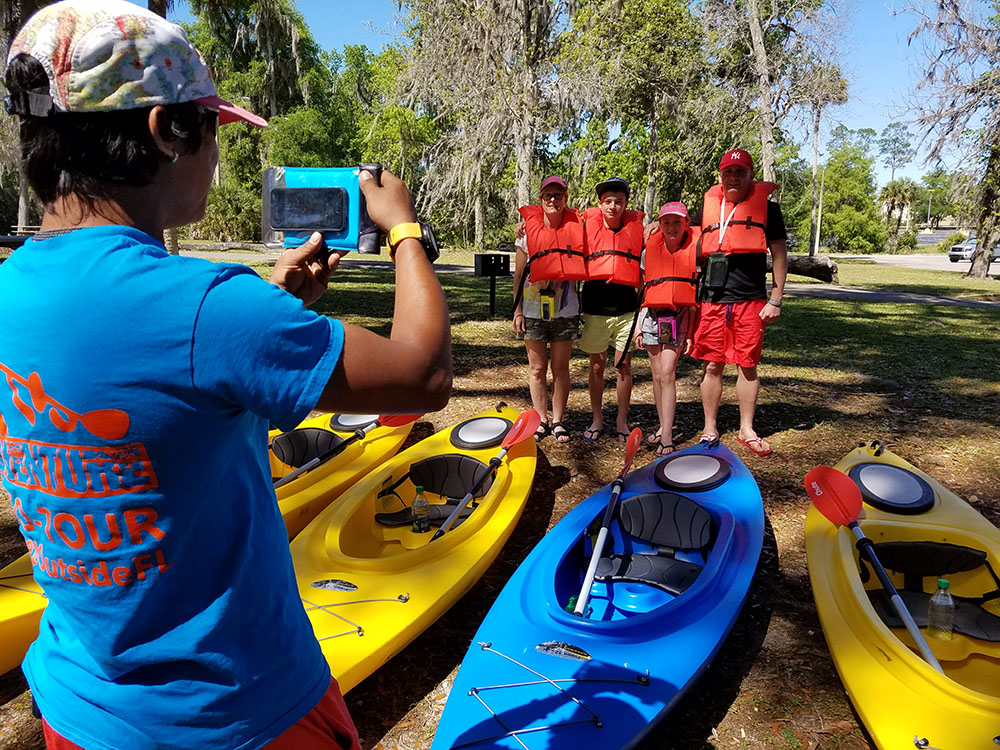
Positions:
{"x": 523, "y": 428}
{"x": 631, "y": 446}
{"x": 838, "y": 498}
{"x": 385, "y": 420}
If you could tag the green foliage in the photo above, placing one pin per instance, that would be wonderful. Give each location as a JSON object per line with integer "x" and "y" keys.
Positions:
{"x": 794, "y": 183}
{"x": 850, "y": 218}
{"x": 233, "y": 214}
{"x": 895, "y": 147}
{"x": 954, "y": 238}
{"x": 907, "y": 242}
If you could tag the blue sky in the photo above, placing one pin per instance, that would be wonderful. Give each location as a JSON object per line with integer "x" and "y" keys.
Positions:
{"x": 880, "y": 67}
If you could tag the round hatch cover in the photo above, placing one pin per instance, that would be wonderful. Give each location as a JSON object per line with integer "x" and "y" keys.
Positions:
{"x": 480, "y": 432}
{"x": 892, "y": 488}
{"x": 691, "y": 472}
{"x": 351, "y": 422}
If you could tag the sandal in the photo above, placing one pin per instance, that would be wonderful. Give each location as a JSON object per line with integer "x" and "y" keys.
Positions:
{"x": 541, "y": 431}
{"x": 654, "y": 438}
{"x": 708, "y": 437}
{"x": 622, "y": 436}
{"x": 592, "y": 434}
{"x": 756, "y": 445}
{"x": 665, "y": 450}
{"x": 560, "y": 433}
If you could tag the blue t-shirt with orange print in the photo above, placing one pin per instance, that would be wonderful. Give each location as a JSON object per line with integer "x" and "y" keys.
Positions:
{"x": 133, "y": 443}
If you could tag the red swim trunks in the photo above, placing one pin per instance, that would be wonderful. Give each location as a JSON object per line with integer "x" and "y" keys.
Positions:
{"x": 730, "y": 332}
{"x": 327, "y": 727}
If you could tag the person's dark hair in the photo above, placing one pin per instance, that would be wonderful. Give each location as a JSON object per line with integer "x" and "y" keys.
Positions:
{"x": 94, "y": 154}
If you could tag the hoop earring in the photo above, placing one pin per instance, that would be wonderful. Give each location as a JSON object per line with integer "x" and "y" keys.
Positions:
{"x": 173, "y": 159}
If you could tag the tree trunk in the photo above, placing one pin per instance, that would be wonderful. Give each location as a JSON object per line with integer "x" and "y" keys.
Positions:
{"x": 765, "y": 115}
{"x": 987, "y": 216}
{"x": 649, "y": 200}
{"x": 23, "y": 199}
{"x": 480, "y": 219}
{"x": 821, "y": 267}
{"x": 815, "y": 188}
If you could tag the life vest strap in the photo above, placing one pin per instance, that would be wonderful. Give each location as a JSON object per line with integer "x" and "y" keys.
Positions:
{"x": 563, "y": 250}
{"x": 692, "y": 280}
{"x": 623, "y": 253}
{"x": 747, "y": 222}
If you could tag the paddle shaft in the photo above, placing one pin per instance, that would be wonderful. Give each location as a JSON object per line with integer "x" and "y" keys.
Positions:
{"x": 595, "y": 559}
{"x": 326, "y": 455}
{"x": 865, "y": 547}
{"x": 494, "y": 463}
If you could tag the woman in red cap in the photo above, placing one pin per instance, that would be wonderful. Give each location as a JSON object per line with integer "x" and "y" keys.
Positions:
{"x": 548, "y": 263}
{"x": 666, "y": 318}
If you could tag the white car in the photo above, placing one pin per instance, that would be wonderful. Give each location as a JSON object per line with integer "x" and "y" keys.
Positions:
{"x": 965, "y": 250}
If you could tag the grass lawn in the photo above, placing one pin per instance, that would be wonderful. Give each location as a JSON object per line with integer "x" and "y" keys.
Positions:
{"x": 923, "y": 379}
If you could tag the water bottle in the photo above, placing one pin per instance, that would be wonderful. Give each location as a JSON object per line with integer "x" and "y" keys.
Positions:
{"x": 420, "y": 511}
{"x": 941, "y": 612}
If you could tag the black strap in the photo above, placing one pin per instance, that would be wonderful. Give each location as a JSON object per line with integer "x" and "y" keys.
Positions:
{"x": 527, "y": 268}
{"x": 563, "y": 250}
{"x": 28, "y": 103}
{"x": 623, "y": 253}
{"x": 692, "y": 280}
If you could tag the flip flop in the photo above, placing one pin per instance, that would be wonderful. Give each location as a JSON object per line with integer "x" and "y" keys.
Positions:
{"x": 560, "y": 433}
{"x": 654, "y": 438}
{"x": 755, "y": 445}
{"x": 622, "y": 436}
{"x": 708, "y": 437}
{"x": 592, "y": 434}
{"x": 665, "y": 450}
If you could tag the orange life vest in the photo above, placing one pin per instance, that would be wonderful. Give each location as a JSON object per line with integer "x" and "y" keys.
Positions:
{"x": 554, "y": 254}
{"x": 671, "y": 278}
{"x": 613, "y": 255}
{"x": 745, "y": 230}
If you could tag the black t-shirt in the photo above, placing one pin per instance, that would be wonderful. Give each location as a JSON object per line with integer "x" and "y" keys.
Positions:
{"x": 606, "y": 298}
{"x": 747, "y": 277}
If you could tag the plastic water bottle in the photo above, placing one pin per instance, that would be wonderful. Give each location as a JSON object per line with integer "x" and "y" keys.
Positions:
{"x": 941, "y": 612}
{"x": 419, "y": 511}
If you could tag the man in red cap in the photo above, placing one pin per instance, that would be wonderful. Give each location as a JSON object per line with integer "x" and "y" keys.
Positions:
{"x": 739, "y": 227}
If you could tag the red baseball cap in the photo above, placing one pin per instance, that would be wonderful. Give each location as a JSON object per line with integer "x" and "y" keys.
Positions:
{"x": 737, "y": 156}
{"x": 675, "y": 208}
{"x": 553, "y": 180}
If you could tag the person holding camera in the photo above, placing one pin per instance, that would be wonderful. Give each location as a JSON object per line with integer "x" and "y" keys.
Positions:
{"x": 666, "y": 319}
{"x": 141, "y": 386}
{"x": 548, "y": 262}
{"x": 739, "y": 226}
{"x": 610, "y": 297}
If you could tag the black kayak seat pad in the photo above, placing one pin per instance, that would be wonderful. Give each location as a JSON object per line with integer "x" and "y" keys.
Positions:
{"x": 970, "y": 619}
{"x": 450, "y": 475}
{"x": 436, "y": 514}
{"x": 670, "y": 522}
{"x": 300, "y": 446}
{"x": 919, "y": 559}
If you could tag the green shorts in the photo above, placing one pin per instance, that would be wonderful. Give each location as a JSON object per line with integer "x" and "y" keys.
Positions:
{"x": 602, "y": 331}
{"x": 556, "y": 329}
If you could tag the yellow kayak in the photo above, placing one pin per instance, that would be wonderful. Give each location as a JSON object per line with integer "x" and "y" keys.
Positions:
{"x": 301, "y": 499}
{"x": 22, "y": 600}
{"x": 371, "y": 583}
{"x": 921, "y": 532}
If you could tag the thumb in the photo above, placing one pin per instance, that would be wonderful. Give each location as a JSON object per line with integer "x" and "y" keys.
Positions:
{"x": 307, "y": 249}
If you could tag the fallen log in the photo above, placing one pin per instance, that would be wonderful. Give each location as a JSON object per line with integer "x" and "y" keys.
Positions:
{"x": 821, "y": 267}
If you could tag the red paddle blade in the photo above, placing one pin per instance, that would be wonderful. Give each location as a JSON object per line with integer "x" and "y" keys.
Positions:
{"x": 397, "y": 420}
{"x": 834, "y": 494}
{"x": 632, "y": 444}
{"x": 524, "y": 427}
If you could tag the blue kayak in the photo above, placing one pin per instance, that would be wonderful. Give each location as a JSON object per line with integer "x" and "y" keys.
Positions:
{"x": 675, "y": 572}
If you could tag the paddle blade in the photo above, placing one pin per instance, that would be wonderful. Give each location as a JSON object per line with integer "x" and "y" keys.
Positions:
{"x": 523, "y": 428}
{"x": 631, "y": 446}
{"x": 834, "y": 494}
{"x": 397, "y": 420}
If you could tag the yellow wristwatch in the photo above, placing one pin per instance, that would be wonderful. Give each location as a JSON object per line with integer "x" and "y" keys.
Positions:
{"x": 412, "y": 230}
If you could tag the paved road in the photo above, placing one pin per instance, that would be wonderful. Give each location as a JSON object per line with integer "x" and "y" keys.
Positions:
{"x": 924, "y": 261}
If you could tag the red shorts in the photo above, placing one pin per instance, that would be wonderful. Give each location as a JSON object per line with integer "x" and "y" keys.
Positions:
{"x": 730, "y": 332}
{"x": 327, "y": 727}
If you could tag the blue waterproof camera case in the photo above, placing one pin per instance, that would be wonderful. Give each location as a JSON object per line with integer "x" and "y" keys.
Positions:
{"x": 297, "y": 201}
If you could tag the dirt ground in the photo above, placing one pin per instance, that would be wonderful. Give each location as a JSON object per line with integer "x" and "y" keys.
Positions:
{"x": 774, "y": 685}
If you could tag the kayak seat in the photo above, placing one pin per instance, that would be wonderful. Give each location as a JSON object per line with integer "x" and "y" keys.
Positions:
{"x": 449, "y": 476}
{"x": 671, "y": 523}
{"x": 917, "y": 560}
{"x": 970, "y": 619}
{"x": 435, "y": 513}
{"x": 298, "y": 447}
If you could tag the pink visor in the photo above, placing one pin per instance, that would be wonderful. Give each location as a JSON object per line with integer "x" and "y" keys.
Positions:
{"x": 674, "y": 208}
{"x": 229, "y": 112}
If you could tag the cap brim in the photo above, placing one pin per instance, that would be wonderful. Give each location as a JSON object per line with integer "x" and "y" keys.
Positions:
{"x": 229, "y": 112}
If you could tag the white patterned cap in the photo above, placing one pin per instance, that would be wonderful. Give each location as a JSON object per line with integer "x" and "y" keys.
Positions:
{"x": 107, "y": 55}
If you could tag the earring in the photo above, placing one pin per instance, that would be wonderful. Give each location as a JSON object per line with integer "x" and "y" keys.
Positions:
{"x": 173, "y": 159}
